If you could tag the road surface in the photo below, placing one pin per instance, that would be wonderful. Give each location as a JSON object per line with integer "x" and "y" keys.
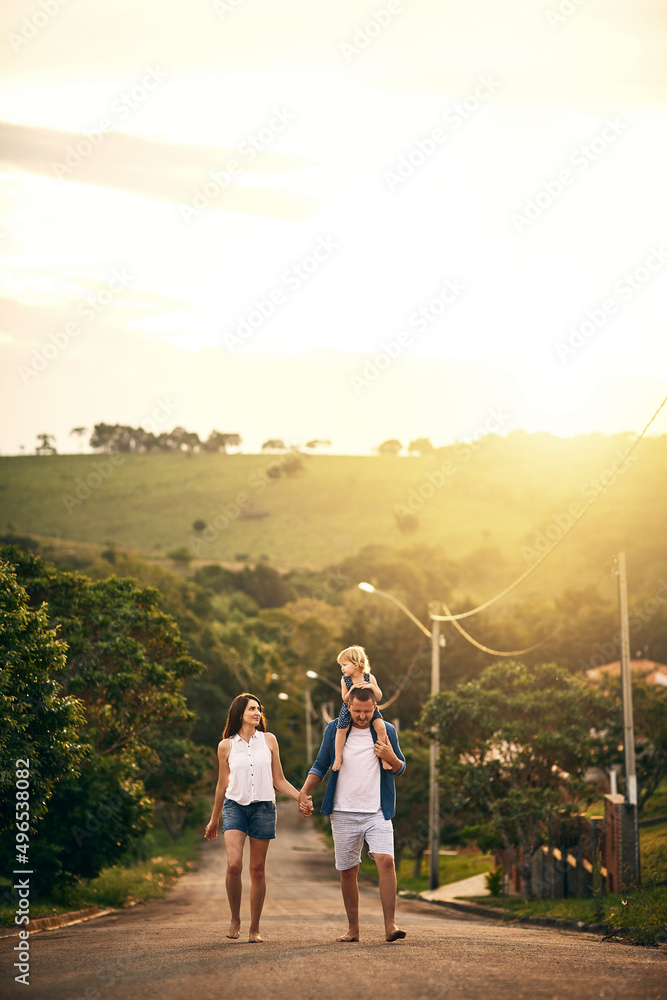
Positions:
{"x": 176, "y": 949}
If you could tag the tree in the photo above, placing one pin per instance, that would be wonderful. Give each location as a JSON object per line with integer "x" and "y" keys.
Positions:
{"x": 185, "y": 441}
{"x": 274, "y": 444}
{"x": 127, "y": 664}
{"x": 518, "y": 742}
{"x": 39, "y": 724}
{"x": 420, "y": 446}
{"x": 390, "y": 447}
{"x": 78, "y": 432}
{"x": 411, "y": 830}
{"x": 649, "y": 704}
{"x": 650, "y": 711}
{"x": 406, "y": 523}
{"x": 218, "y": 442}
{"x": 47, "y": 447}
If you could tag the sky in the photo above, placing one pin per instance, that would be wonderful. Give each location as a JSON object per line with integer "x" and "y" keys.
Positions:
{"x": 344, "y": 221}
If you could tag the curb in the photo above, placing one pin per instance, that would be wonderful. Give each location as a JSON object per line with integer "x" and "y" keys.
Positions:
{"x": 493, "y": 913}
{"x": 61, "y": 920}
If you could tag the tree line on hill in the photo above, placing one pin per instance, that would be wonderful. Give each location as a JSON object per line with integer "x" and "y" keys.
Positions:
{"x": 123, "y": 438}
{"x": 115, "y": 684}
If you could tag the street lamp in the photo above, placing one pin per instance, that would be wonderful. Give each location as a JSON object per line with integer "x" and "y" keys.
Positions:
{"x": 433, "y": 796}
{"x": 318, "y": 677}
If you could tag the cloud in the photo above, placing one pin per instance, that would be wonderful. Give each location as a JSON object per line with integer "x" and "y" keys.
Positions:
{"x": 162, "y": 171}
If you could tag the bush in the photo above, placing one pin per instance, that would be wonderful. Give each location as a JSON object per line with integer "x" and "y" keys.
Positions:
{"x": 494, "y": 881}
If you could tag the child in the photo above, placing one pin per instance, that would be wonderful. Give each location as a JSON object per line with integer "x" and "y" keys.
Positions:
{"x": 356, "y": 673}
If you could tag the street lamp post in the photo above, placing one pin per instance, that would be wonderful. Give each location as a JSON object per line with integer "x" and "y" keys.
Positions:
{"x": 309, "y": 726}
{"x": 433, "y": 797}
{"x": 434, "y": 791}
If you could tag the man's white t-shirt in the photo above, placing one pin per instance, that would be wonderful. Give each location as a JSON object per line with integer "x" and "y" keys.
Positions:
{"x": 358, "y": 784}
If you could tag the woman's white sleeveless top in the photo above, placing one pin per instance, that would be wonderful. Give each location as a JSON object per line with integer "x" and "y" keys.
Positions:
{"x": 250, "y": 778}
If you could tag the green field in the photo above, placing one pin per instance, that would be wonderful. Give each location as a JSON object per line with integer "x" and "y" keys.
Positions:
{"x": 493, "y": 503}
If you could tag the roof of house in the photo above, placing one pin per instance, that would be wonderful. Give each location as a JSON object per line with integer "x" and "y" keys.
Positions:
{"x": 653, "y": 673}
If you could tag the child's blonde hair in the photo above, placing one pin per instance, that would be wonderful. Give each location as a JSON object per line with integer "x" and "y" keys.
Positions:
{"x": 355, "y": 655}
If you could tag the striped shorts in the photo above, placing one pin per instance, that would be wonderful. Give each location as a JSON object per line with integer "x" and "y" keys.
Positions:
{"x": 350, "y": 829}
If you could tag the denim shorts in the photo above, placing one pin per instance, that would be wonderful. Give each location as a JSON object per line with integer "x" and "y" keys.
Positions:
{"x": 257, "y": 820}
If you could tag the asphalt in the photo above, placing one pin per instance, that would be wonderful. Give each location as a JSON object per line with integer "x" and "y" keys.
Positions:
{"x": 176, "y": 949}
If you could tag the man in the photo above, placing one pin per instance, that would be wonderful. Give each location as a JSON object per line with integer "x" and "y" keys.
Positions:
{"x": 361, "y": 800}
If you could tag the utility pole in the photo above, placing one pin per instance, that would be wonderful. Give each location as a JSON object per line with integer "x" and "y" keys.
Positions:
{"x": 309, "y": 726}
{"x": 434, "y": 791}
{"x": 632, "y": 854}
{"x": 626, "y": 685}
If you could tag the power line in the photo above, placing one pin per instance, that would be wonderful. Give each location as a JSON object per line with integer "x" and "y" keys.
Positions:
{"x": 514, "y": 652}
{"x": 496, "y": 652}
{"x": 566, "y": 532}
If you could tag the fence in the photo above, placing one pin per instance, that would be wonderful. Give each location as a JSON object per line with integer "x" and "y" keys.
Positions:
{"x": 565, "y": 865}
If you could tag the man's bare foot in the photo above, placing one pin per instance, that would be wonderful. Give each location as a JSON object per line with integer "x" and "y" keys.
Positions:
{"x": 234, "y": 928}
{"x": 255, "y": 938}
{"x": 350, "y": 936}
{"x": 336, "y": 766}
{"x": 395, "y": 935}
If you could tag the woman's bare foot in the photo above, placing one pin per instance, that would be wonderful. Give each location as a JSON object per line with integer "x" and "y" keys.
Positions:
{"x": 234, "y": 929}
{"x": 254, "y": 937}
{"x": 350, "y": 936}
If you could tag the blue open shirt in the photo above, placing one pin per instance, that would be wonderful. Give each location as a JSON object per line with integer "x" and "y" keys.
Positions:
{"x": 327, "y": 755}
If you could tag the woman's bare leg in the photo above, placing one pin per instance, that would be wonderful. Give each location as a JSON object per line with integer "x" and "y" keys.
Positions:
{"x": 258, "y": 851}
{"x": 234, "y": 844}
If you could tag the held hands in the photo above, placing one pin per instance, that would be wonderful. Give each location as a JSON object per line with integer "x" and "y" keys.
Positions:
{"x": 305, "y": 804}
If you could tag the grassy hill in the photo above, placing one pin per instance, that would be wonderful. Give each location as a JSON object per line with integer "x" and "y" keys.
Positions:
{"x": 494, "y": 503}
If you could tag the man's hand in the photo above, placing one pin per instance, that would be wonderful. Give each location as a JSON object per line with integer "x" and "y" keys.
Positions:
{"x": 385, "y": 752}
{"x": 305, "y": 804}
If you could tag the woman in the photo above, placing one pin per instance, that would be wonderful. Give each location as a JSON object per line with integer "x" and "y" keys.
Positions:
{"x": 249, "y": 770}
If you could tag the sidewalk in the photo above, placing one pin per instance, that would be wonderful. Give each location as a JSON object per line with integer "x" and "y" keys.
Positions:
{"x": 473, "y": 886}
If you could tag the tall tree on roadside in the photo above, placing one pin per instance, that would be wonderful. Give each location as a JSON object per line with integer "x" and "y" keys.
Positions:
{"x": 127, "y": 664}
{"x": 40, "y": 726}
{"x": 517, "y": 742}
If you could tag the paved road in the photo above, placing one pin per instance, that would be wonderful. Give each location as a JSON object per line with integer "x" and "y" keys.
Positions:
{"x": 175, "y": 949}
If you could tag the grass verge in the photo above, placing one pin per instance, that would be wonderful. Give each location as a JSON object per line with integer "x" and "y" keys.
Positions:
{"x": 120, "y": 886}
{"x": 643, "y": 913}
{"x": 452, "y": 867}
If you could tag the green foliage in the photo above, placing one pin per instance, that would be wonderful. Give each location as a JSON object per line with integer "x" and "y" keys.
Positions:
{"x": 452, "y": 868}
{"x": 518, "y": 742}
{"x": 126, "y": 660}
{"x": 502, "y": 495}
{"x": 181, "y": 555}
{"x": 493, "y": 881}
{"x": 39, "y": 723}
{"x": 93, "y": 821}
{"x": 640, "y": 917}
{"x": 127, "y": 664}
{"x": 411, "y": 832}
{"x": 650, "y": 717}
{"x": 149, "y": 873}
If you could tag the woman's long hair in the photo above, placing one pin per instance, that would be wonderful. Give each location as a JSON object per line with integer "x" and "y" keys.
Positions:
{"x": 235, "y": 714}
